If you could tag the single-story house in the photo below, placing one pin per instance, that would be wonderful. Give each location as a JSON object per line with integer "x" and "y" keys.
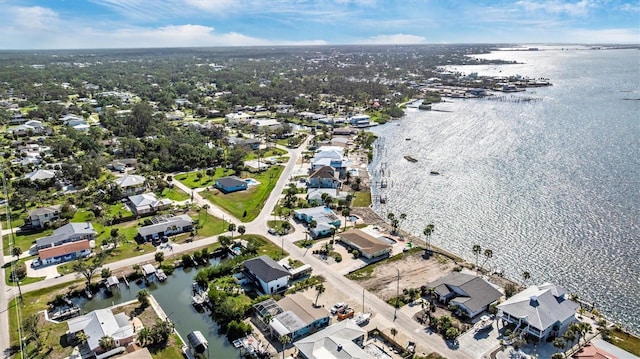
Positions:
{"x": 293, "y": 315}
{"x": 591, "y": 351}
{"x": 341, "y": 340}
{"x": 71, "y": 241}
{"x": 39, "y": 217}
{"x": 100, "y": 323}
{"x": 231, "y": 184}
{"x": 323, "y": 177}
{"x": 147, "y": 203}
{"x": 314, "y": 195}
{"x": 542, "y": 311}
{"x": 470, "y": 293}
{"x": 368, "y": 246}
{"x": 267, "y": 274}
{"x": 165, "y": 226}
{"x": 40, "y": 175}
{"x": 131, "y": 184}
{"x": 360, "y": 121}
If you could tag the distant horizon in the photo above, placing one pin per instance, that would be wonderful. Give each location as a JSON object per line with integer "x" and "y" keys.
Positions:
{"x": 119, "y": 24}
{"x": 524, "y": 46}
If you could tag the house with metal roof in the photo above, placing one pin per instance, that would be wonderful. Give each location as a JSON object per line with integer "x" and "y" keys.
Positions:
{"x": 147, "y": 203}
{"x": 101, "y": 323}
{"x": 343, "y": 340}
{"x": 131, "y": 184}
{"x": 326, "y": 220}
{"x": 470, "y": 293}
{"x": 40, "y": 175}
{"x": 266, "y": 274}
{"x": 71, "y": 241}
{"x": 541, "y": 311}
{"x": 323, "y": 177}
{"x": 165, "y": 226}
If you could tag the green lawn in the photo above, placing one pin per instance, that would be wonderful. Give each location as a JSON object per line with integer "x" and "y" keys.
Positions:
{"x": 252, "y": 200}
{"x": 17, "y": 218}
{"x": 174, "y": 194}
{"x": 265, "y": 246}
{"x": 53, "y": 333}
{"x": 211, "y": 225}
{"x": 23, "y": 241}
{"x": 191, "y": 179}
{"x": 362, "y": 199}
{"x": 277, "y": 226}
{"x": 625, "y": 341}
{"x": 118, "y": 210}
{"x": 26, "y": 280}
{"x": 272, "y": 152}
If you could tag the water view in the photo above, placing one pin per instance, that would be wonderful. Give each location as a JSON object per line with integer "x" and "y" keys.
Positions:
{"x": 552, "y": 186}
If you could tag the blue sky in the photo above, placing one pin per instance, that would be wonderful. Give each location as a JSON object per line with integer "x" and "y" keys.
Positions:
{"x": 56, "y": 24}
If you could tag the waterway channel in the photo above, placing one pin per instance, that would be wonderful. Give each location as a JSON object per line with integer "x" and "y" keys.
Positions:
{"x": 174, "y": 295}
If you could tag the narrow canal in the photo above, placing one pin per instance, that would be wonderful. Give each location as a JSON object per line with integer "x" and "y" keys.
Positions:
{"x": 174, "y": 295}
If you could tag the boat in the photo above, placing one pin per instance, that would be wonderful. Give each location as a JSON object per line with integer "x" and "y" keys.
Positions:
{"x": 407, "y": 139}
{"x": 161, "y": 275}
{"x": 435, "y": 173}
{"x": 410, "y": 159}
{"x": 484, "y": 323}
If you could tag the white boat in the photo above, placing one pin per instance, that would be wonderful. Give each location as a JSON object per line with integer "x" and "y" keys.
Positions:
{"x": 484, "y": 323}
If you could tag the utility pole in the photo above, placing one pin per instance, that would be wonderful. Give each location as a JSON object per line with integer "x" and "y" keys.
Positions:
{"x": 395, "y": 313}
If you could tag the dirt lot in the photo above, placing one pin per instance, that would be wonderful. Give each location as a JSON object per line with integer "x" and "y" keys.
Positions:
{"x": 414, "y": 273}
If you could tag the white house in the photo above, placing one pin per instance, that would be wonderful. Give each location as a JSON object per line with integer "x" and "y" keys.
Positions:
{"x": 267, "y": 274}
{"x": 147, "y": 203}
{"x": 541, "y": 311}
{"x": 100, "y": 323}
{"x": 470, "y": 293}
{"x": 360, "y": 121}
{"x": 39, "y": 217}
{"x": 339, "y": 341}
{"x": 165, "y": 226}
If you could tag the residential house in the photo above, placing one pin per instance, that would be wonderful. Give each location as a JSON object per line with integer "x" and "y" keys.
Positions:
{"x": 314, "y": 195}
{"x": 332, "y": 156}
{"x": 29, "y": 127}
{"x": 75, "y": 122}
{"x": 326, "y": 220}
{"x": 164, "y": 226}
{"x": 231, "y": 184}
{"x": 591, "y": 351}
{"x": 360, "y": 121}
{"x": 40, "y": 175}
{"x": 470, "y": 293}
{"x": 542, "y": 311}
{"x": 237, "y": 118}
{"x": 122, "y": 164}
{"x": 323, "y": 177}
{"x": 44, "y": 216}
{"x": 131, "y": 184}
{"x": 340, "y": 341}
{"x": 368, "y": 246}
{"x": 147, "y": 203}
{"x": 266, "y": 274}
{"x": 294, "y": 316}
{"x": 71, "y": 241}
{"x": 251, "y": 143}
{"x": 101, "y": 323}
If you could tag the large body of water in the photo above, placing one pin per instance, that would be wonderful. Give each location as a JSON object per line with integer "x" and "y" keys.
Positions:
{"x": 551, "y": 186}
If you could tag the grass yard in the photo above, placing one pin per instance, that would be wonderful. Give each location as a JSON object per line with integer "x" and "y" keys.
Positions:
{"x": 362, "y": 199}
{"x": 174, "y": 194}
{"x": 211, "y": 225}
{"x": 250, "y": 201}
{"x": 265, "y": 246}
{"x": 625, "y": 341}
{"x": 17, "y": 218}
{"x": 24, "y": 281}
{"x": 53, "y": 334}
{"x": 271, "y": 152}
{"x": 23, "y": 240}
{"x": 191, "y": 179}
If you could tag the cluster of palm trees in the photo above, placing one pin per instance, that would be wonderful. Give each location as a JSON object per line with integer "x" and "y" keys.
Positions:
{"x": 477, "y": 250}
{"x": 575, "y": 331}
{"x": 396, "y": 221}
{"x": 158, "y": 334}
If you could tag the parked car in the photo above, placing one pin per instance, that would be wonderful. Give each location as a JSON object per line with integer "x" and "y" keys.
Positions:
{"x": 346, "y": 313}
{"x": 272, "y": 231}
{"x": 338, "y": 307}
{"x": 36, "y": 263}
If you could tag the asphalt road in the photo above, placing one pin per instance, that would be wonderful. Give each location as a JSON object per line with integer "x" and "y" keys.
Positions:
{"x": 385, "y": 314}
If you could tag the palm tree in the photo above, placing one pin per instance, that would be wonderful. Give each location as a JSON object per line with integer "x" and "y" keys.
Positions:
{"x": 81, "y": 337}
{"x": 559, "y": 343}
{"x": 428, "y": 230}
{"x": 320, "y": 289}
{"x": 488, "y": 254}
{"x": 477, "y": 250}
{"x": 394, "y": 331}
{"x": 242, "y": 230}
{"x": 402, "y": 218}
{"x": 144, "y": 336}
{"x": 224, "y": 241}
{"x": 143, "y": 297}
{"x": 107, "y": 343}
{"x": 568, "y": 336}
{"x": 525, "y": 277}
{"x": 313, "y": 224}
{"x": 346, "y": 212}
{"x": 159, "y": 257}
{"x": 16, "y": 252}
{"x": 232, "y": 228}
{"x": 284, "y": 340}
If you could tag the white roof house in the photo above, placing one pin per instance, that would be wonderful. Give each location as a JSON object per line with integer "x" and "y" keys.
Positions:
{"x": 342, "y": 340}
{"x": 100, "y": 323}
{"x": 147, "y": 202}
{"x": 41, "y": 175}
{"x": 130, "y": 181}
{"x": 540, "y": 310}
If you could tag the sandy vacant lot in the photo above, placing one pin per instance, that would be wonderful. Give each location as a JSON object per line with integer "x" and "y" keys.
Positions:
{"x": 415, "y": 272}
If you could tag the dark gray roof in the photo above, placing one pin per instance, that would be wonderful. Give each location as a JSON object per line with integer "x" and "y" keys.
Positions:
{"x": 67, "y": 231}
{"x": 230, "y": 181}
{"x": 479, "y": 292}
{"x": 266, "y": 268}
{"x": 324, "y": 172}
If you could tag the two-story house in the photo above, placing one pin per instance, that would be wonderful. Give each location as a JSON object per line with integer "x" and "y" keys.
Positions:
{"x": 44, "y": 216}
{"x": 71, "y": 241}
{"x": 269, "y": 276}
{"x": 323, "y": 177}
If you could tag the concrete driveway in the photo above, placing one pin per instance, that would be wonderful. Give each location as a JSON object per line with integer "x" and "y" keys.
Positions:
{"x": 46, "y": 271}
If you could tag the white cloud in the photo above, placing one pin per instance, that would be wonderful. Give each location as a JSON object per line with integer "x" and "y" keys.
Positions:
{"x": 213, "y": 5}
{"x": 395, "y": 39}
{"x": 32, "y": 17}
{"x": 580, "y": 8}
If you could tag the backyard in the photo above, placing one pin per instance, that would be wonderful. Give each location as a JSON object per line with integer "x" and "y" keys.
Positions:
{"x": 246, "y": 205}
{"x": 197, "y": 179}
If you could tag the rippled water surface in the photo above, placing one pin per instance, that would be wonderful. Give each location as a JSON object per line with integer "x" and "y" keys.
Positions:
{"x": 551, "y": 186}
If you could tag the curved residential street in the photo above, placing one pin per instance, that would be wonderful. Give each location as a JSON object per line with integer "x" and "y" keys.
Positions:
{"x": 351, "y": 291}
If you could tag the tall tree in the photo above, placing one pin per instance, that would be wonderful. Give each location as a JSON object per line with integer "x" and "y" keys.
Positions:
{"x": 477, "y": 250}
{"x": 428, "y": 231}
{"x": 88, "y": 267}
{"x": 320, "y": 289}
{"x": 232, "y": 228}
{"x": 242, "y": 230}
{"x": 525, "y": 277}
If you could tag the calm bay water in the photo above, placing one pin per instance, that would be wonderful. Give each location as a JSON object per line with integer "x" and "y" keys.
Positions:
{"x": 551, "y": 186}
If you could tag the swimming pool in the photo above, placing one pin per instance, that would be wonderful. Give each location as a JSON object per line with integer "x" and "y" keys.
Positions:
{"x": 251, "y": 182}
